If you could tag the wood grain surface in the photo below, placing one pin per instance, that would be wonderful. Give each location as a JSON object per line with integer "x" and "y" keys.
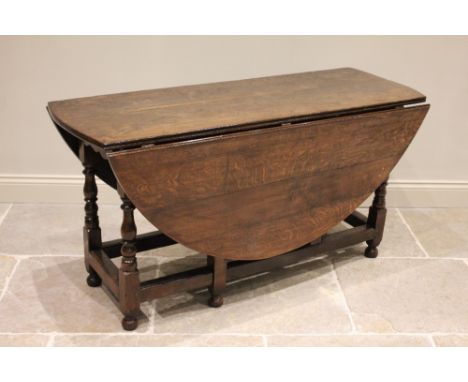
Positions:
{"x": 260, "y": 193}
{"x": 118, "y": 119}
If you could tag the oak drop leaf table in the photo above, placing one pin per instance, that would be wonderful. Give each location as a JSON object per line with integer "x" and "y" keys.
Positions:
{"x": 251, "y": 173}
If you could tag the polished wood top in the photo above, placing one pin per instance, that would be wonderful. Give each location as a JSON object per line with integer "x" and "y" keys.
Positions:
{"x": 121, "y": 119}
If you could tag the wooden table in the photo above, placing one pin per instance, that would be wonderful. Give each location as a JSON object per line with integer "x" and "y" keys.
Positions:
{"x": 251, "y": 173}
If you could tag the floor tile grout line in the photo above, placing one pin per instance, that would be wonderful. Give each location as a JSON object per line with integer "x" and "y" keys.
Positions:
{"x": 365, "y": 334}
{"x": 343, "y": 298}
{"x": 431, "y": 340}
{"x": 6, "y": 285}
{"x": 423, "y": 258}
{"x": 130, "y": 334}
{"x": 265, "y": 341}
{"x": 405, "y": 223}
{"x": 4, "y": 215}
{"x": 233, "y": 334}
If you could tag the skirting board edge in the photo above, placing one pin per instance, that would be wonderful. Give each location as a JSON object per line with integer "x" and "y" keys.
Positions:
{"x": 68, "y": 189}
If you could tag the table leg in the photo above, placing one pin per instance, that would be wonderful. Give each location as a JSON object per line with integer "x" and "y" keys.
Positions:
{"x": 376, "y": 220}
{"x": 129, "y": 280}
{"x": 91, "y": 230}
{"x": 219, "y": 267}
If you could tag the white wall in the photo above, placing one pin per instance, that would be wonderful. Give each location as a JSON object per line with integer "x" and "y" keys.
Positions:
{"x": 35, "y": 165}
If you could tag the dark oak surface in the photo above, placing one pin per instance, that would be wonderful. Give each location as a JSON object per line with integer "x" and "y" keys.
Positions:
{"x": 150, "y": 114}
{"x": 257, "y": 194}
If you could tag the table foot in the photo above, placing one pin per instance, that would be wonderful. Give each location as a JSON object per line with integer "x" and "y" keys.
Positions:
{"x": 129, "y": 323}
{"x": 371, "y": 252}
{"x": 93, "y": 280}
{"x": 216, "y": 301}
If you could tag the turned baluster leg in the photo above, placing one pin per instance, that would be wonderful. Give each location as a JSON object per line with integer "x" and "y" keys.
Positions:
{"x": 219, "y": 268}
{"x": 376, "y": 220}
{"x": 129, "y": 281}
{"x": 91, "y": 230}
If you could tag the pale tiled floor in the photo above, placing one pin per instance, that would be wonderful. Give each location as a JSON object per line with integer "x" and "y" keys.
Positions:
{"x": 414, "y": 294}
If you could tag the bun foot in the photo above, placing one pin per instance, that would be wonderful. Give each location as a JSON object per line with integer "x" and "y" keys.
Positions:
{"x": 93, "y": 280}
{"x": 129, "y": 323}
{"x": 371, "y": 252}
{"x": 216, "y": 301}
